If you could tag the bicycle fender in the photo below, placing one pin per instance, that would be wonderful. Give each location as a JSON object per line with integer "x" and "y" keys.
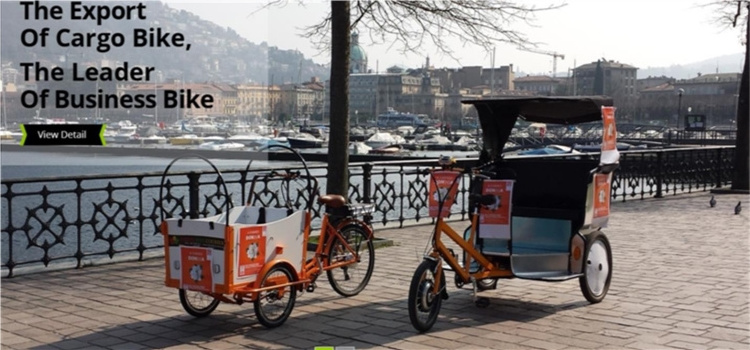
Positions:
{"x": 368, "y": 231}
{"x": 267, "y": 266}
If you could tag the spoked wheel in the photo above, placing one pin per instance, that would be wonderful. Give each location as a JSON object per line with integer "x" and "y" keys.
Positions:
{"x": 198, "y": 304}
{"x": 351, "y": 279}
{"x": 273, "y": 306}
{"x": 597, "y": 269}
{"x": 424, "y": 304}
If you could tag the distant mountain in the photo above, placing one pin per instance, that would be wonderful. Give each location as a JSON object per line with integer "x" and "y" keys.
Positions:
{"x": 724, "y": 64}
{"x": 217, "y": 53}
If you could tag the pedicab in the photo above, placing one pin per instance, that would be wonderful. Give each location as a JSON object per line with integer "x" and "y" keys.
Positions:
{"x": 263, "y": 253}
{"x": 537, "y": 218}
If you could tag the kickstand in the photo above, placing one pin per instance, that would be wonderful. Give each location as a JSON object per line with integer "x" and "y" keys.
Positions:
{"x": 474, "y": 286}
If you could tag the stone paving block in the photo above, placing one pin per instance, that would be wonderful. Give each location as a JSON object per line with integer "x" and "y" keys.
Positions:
{"x": 723, "y": 344}
{"x": 686, "y": 345}
{"x": 644, "y": 346}
{"x": 541, "y": 344}
{"x": 577, "y": 343}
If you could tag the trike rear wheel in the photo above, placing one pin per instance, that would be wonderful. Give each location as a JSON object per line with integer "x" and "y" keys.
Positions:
{"x": 597, "y": 268}
{"x": 424, "y": 304}
{"x": 198, "y": 304}
{"x": 273, "y": 306}
{"x": 349, "y": 280}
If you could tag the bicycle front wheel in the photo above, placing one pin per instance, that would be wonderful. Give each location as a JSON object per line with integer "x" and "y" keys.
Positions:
{"x": 198, "y": 304}
{"x": 424, "y": 304}
{"x": 351, "y": 279}
{"x": 273, "y": 306}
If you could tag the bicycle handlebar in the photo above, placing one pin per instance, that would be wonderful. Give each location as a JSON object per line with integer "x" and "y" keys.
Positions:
{"x": 476, "y": 170}
{"x": 286, "y": 175}
{"x": 483, "y": 199}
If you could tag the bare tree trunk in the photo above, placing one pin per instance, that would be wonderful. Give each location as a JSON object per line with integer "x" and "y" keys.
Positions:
{"x": 741, "y": 180}
{"x": 338, "y": 141}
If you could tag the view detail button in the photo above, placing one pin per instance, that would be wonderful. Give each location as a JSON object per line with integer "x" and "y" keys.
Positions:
{"x": 63, "y": 134}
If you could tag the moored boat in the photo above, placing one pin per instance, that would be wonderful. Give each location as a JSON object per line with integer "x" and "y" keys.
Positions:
{"x": 223, "y": 145}
{"x": 185, "y": 140}
{"x": 305, "y": 140}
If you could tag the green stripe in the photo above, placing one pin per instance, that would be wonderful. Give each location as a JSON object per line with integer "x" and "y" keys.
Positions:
{"x": 23, "y": 131}
{"x": 101, "y": 135}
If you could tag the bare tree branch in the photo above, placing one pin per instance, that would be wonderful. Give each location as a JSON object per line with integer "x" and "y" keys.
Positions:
{"x": 412, "y": 25}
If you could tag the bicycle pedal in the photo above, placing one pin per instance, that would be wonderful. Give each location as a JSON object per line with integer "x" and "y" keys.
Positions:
{"x": 311, "y": 287}
{"x": 453, "y": 254}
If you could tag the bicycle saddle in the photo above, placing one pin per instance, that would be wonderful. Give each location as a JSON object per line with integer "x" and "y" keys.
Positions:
{"x": 332, "y": 200}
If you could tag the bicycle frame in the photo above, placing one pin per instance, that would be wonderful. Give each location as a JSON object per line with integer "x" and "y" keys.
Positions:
{"x": 328, "y": 234}
{"x": 440, "y": 252}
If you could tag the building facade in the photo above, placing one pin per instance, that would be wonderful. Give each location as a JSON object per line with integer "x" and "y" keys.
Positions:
{"x": 541, "y": 85}
{"x": 618, "y": 81}
{"x": 253, "y": 100}
{"x": 713, "y": 95}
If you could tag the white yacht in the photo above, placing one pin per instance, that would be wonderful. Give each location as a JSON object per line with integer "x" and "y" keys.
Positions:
{"x": 221, "y": 145}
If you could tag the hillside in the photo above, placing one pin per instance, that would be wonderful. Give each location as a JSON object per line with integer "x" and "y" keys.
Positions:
{"x": 724, "y": 64}
{"x": 217, "y": 54}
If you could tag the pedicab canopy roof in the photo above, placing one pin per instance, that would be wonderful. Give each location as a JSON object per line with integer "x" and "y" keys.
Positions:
{"x": 498, "y": 116}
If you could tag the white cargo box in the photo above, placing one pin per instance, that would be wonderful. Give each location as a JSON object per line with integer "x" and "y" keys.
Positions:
{"x": 210, "y": 256}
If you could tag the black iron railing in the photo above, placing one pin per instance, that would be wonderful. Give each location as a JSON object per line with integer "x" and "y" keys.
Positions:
{"x": 75, "y": 221}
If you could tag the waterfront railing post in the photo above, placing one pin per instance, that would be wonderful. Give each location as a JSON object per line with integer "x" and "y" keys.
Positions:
{"x": 659, "y": 174}
{"x": 719, "y": 160}
{"x": 193, "y": 194}
{"x": 367, "y": 188}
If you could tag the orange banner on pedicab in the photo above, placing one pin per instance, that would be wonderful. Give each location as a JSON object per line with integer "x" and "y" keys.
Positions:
{"x": 494, "y": 219}
{"x": 443, "y": 188}
{"x": 601, "y": 199}
{"x": 609, "y": 154}
{"x": 252, "y": 251}
{"x": 195, "y": 264}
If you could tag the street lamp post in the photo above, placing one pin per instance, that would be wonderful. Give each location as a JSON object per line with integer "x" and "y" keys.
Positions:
{"x": 679, "y": 105}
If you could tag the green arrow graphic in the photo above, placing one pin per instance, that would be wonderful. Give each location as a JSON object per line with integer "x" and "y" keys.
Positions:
{"x": 23, "y": 138}
{"x": 101, "y": 135}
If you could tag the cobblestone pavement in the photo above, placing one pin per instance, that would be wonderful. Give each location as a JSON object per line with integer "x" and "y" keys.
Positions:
{"x": 680, "y": 280}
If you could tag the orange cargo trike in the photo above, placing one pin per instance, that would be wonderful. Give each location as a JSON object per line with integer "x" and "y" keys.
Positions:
{"x": 260, "y": 254}
{"x": 537, "y": 218}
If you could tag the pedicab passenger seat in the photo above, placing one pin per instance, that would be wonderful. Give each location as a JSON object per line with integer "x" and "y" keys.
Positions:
{"x": 551, "y": 188}
{"x": 549, "y": 202}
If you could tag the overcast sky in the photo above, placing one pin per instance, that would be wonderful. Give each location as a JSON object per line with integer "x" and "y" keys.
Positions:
{"x": 643, "y": 33}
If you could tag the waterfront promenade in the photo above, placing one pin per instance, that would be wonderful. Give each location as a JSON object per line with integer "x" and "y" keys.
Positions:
{"x": 680, "y": 280}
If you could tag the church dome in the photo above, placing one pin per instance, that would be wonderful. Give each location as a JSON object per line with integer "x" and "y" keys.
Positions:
{"x": 357, "y": 53}
{"x": 357, "y": 56}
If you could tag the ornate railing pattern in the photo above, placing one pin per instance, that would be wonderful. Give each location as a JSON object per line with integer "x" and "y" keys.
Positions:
{"x": 76, "y": 221}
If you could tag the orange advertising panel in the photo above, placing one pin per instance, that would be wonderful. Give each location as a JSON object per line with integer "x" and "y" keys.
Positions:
{"x": 499, "y": 212}
{"x": 601, "y": 195}
{"x": 609, "y": 133}
{"x": 252, "y": 251}
{"x": 494, "y": 218}
{"x": 196, "y": 269}
{"x": 443, "y": 188}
